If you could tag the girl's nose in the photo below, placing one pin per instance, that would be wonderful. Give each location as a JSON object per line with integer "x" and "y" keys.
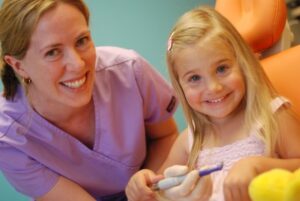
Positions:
{"x": 214, "y": 85}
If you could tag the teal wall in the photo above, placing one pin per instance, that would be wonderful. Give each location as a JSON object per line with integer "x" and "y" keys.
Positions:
{"x": 142, "y": 25}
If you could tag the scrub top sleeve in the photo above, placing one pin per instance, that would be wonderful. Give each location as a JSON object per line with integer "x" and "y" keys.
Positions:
{"x": 158, "y": 96}
{"x": 25, "y": 174}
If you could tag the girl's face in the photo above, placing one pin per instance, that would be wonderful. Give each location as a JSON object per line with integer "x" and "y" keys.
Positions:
{"x": 60, "y": 60}
{"x": 211, "y": 79}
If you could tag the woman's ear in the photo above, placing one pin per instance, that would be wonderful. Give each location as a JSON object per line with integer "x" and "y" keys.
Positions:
{"x": 16, "y": 64}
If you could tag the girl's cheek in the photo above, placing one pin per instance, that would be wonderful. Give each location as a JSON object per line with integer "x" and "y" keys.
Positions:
{"x": 193, "y": 98}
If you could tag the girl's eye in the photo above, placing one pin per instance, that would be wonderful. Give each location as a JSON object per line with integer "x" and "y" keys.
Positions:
{"x": 222, "y": 69}
{"x": 194, "y": 78}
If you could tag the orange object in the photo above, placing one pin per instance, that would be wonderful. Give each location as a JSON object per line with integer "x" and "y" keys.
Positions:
{"x": 283, "y": 70}
{"x": 260, "y": 22}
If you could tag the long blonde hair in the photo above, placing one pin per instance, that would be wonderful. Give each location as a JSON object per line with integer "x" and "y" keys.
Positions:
{"x": 204, "y": 23}
{"x": 18, "y": 19}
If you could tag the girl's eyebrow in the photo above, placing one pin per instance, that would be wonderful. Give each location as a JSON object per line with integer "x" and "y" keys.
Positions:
{"x": 223, "y": 59}
{"x": 189, "y": 72}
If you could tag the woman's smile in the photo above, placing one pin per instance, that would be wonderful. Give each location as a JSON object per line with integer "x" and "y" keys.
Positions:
{"x": 76, "y": 83}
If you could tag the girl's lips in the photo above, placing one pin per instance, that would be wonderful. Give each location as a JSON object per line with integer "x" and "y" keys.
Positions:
{"x": 217, "y": 100}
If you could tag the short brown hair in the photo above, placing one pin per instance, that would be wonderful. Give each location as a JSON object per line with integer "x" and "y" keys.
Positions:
{"x": 18, "y": 20}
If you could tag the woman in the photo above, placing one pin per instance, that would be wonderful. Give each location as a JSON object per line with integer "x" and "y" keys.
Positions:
{"x": 75, "y": 120}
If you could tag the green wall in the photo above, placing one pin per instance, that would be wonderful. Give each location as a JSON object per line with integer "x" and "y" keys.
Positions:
{"x": 142, "y": 25}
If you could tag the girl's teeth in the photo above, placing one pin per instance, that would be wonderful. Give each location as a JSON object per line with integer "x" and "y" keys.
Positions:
{"x": 75, "y": 84}
{"x": 216, "y": 100}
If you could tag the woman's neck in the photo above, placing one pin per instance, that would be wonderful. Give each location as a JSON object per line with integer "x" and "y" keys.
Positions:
{"x": 76, "y": 121}
{"x": 57, "y": 113}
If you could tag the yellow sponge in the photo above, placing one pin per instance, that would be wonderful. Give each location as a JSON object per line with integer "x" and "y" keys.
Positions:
{"x": 275, "y": 185}
{"x": 293, "y": 188}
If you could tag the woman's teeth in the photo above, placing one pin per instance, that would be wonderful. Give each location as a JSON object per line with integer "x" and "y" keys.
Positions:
{"x": 75, "y": 84}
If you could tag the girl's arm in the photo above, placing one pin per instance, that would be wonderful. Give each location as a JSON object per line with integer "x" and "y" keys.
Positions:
{"x": 66, "y": 190}
{"x": 179, "y": 152}
{"x": 161, "y": 137}
{"x": 240, "y": 175}
{"x": 289, "y": 136}
{"x": 288, "y": 144}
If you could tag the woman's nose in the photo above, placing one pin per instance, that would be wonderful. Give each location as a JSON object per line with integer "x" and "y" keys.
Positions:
{"x": 74, "y": 59}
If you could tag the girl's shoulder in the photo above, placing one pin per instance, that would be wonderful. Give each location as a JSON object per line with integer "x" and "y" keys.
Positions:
{"x": 289, "y": 134}
{"x": 279, "y": 102}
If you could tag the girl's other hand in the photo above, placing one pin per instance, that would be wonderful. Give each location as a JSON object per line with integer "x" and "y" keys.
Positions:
{"x": 239, "y": 177}
{"x": 139, "y": 186}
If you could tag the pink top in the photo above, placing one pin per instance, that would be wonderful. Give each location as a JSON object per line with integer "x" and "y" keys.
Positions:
{"x": 231, "y": 153}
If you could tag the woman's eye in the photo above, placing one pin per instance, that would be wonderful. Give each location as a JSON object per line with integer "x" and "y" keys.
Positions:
{"x": 82, "y": 41}
{"x": 52, "y": 54}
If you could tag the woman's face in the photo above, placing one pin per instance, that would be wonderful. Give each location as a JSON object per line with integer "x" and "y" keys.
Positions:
{"x": 60, "y": 60}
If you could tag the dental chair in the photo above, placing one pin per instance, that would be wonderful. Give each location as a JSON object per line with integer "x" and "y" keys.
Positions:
{"x": 263, "y": 24}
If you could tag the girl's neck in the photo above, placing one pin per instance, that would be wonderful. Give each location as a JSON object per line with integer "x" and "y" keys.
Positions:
{"x": 227, "y": 130}
{"x": 236, "y": 116}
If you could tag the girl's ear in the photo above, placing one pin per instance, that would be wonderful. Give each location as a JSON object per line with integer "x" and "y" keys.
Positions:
{"x": 16, "y": 64}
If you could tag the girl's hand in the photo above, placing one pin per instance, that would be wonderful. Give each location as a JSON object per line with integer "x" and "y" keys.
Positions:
{"x": 192, "y": 188}
{"x": 139, "y": 186}
{"x": 239, "y": 177}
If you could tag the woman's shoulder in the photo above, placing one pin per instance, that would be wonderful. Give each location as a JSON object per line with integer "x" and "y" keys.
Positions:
{"x": 109, "y": 56}
{"x": 11, "y": 110}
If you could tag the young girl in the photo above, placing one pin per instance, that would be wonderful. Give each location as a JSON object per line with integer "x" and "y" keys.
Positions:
{"x": 234, "y": 115}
